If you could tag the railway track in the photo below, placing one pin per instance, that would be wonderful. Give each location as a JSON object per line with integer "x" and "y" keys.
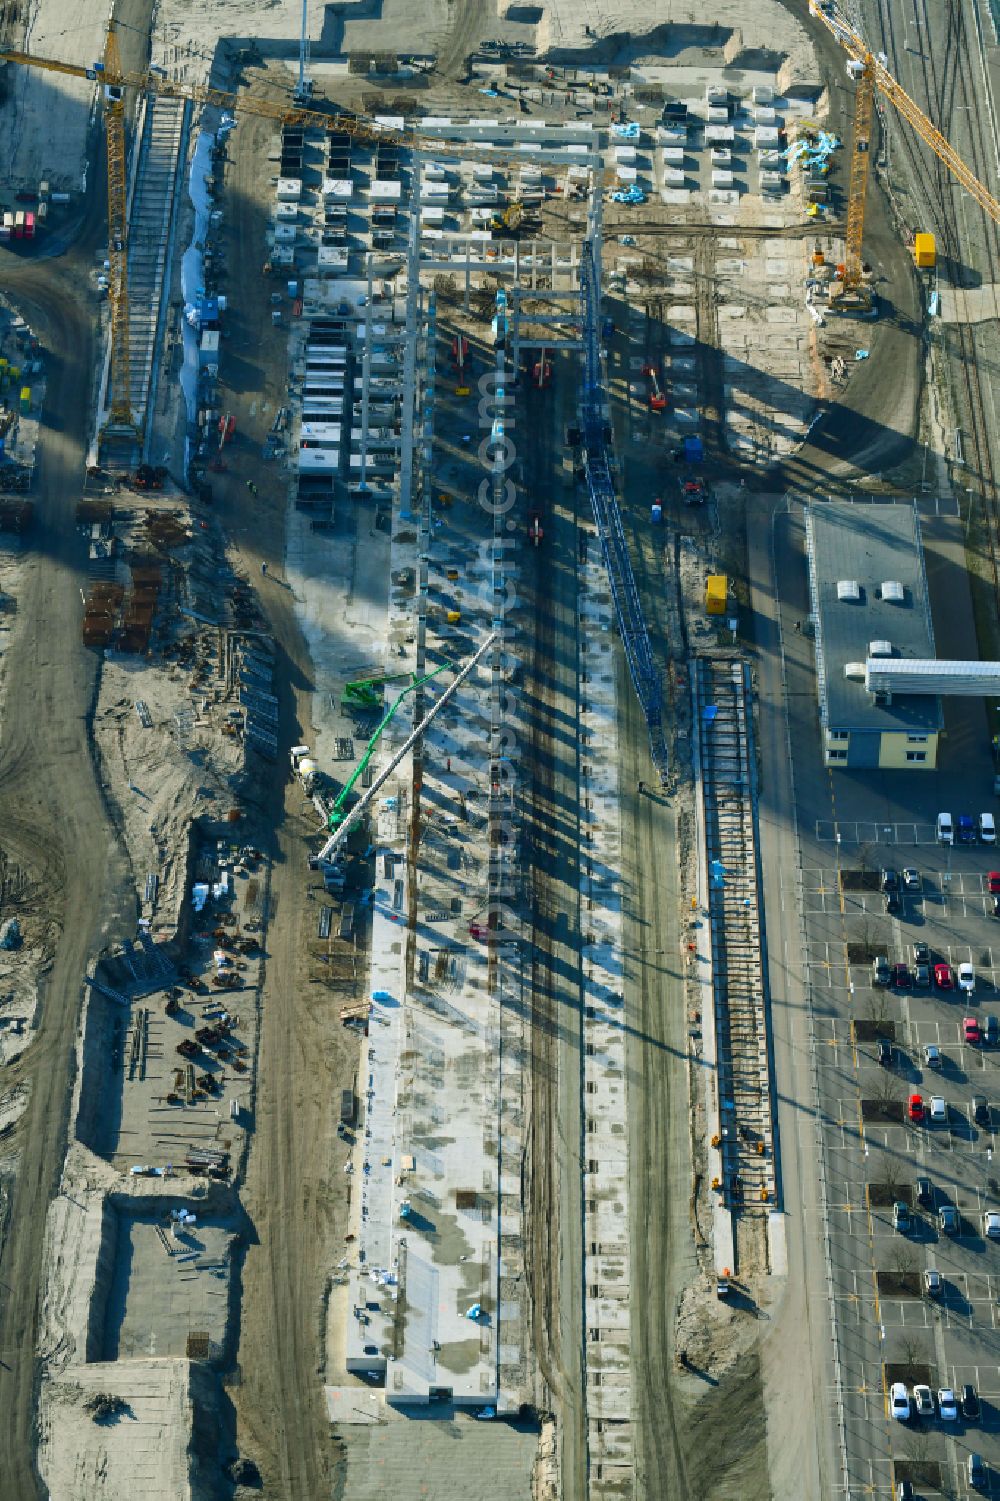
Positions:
{"x": 945, "y": 72}
{"x": 746, "y": 1144}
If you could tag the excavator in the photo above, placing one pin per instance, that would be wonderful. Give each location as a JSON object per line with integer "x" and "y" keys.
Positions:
{"x": 508, "y": 220}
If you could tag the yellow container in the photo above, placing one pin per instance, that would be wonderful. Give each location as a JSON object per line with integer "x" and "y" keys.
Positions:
{"x": 453, "y": 617}
{"x": 716, "y": 593}
{"x": 924, "y": 251}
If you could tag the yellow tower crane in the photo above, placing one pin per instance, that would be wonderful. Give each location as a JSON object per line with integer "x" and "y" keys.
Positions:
{"x": 109, "y": 73}
{"x": 870, "y": 73}
{"x": 115, "y": 80}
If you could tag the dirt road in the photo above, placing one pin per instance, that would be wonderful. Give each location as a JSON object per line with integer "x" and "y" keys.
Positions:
{"x": 472, "y": 21}
{"x": 52, "y": 815}
{"x": 295, "y": 1196}
{"x": 553, "y": 836}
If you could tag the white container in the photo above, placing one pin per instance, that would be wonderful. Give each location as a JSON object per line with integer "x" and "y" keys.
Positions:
{"x": 624, "y": 153}
{"x": 715, "y": 93}
{"x": 340, "y": 188}
{"x": 721, "y": 178}
{"x": 717, "y": 114}
{"x": 771, "y": 182}
{"x": 763, "y": 93}
{"x": 673, "y": 177}
{"x": 721, "y": 156}
{"x": 673, "y": 155}
{"x": 289, "y": 188}
{"x": 388, "y": 188}
{"x": 764, "y": 115}
{"x": 765, "y": 136}
{"x": 719, "y": 135}
{"x": 626, "y": 174}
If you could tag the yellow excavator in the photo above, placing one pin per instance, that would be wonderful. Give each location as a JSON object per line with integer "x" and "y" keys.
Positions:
{"x": 508, "y": 219}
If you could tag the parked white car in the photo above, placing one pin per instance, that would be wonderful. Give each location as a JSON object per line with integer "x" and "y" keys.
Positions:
{"x": 947, "y": 1406}
{"x": 938, "y": 1109}
{"x": 899, "y": 1401}
{"x": 923, "y": 1400}
{"x": 966, "y": 978}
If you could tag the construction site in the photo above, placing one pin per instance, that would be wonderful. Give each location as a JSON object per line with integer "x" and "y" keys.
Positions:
{"x": 461, "y": 1013}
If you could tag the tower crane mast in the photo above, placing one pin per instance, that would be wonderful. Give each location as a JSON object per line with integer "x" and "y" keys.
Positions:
{"x": 870, "y": 72}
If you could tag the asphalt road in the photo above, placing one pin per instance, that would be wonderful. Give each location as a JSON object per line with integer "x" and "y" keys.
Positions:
{"x": 52, "y": 813}
{"x": 797, "y": 1351}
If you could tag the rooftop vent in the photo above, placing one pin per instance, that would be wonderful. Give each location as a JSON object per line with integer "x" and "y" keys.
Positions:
{"x": 848, "y": 589}
{"x": 880, "y": 648}
{"x": 893, "y": 590}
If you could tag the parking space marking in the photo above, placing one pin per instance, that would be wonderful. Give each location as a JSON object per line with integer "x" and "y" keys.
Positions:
{"x": 834, "y": 831}
{"x": 968, "y": 1313}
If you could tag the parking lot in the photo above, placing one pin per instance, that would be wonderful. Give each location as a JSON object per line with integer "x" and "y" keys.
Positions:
{"x": 850, "y": 827}
{"x": 888, "y": 1324}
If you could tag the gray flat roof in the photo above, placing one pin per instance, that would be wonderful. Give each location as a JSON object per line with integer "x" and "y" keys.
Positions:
{"x": 868, "y": 545}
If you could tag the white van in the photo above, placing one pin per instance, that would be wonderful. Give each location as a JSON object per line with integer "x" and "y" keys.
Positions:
{"x": 945, "y": 829}
{"x": 987, "y": 828}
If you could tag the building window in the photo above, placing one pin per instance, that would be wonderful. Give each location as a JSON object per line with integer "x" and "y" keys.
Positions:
{"x": 837, "y": 735}
{"x": 916, "y": 739}
{"x": 916, "y": 755}
{"x": 836, "y": 755}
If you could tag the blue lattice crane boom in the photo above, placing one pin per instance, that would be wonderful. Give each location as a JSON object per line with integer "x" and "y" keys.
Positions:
{"x": 600, "y": 468}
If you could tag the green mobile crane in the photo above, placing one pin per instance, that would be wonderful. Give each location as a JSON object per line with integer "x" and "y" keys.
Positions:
{"x": 338, "y": 811}
{"x": 364, "y": 694}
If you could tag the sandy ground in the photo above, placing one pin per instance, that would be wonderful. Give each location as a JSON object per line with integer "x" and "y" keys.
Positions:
{"x": 142, "y": 1452}
{"x": 160, "y": 778}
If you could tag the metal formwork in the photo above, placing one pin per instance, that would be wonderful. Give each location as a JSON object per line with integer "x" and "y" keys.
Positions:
{"x": 738, "y": 977}
{"x": 150, "y": 220}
